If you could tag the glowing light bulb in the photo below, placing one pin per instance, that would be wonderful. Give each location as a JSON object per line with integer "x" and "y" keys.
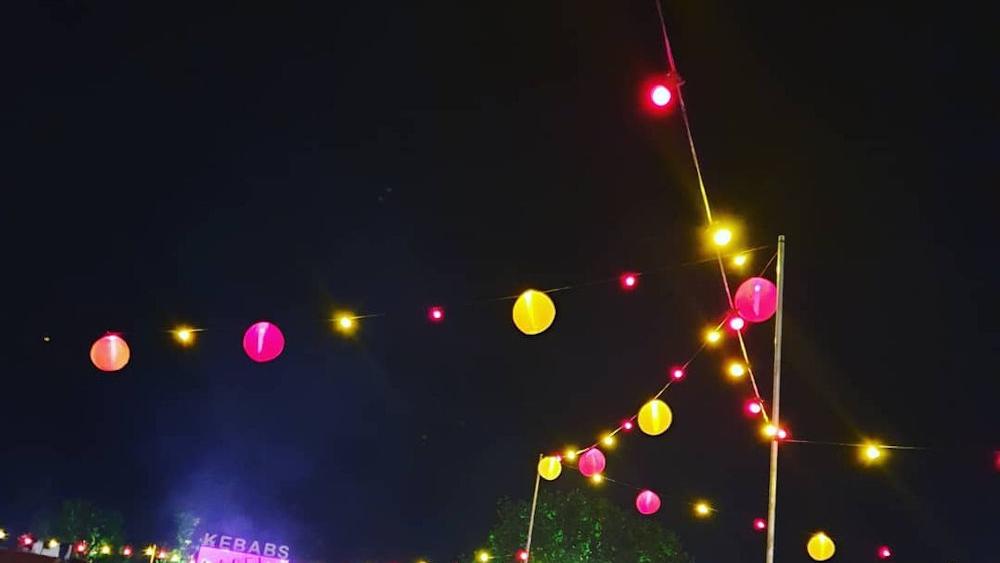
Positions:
{"x": 435, "y": 314}
{"x": 873, "y": 453}
{"x": 781, "y": 434}
{"x": 185, "y": 335}
{"x": 677, "y": 373}
{"x": 127, "y": 551}
{"x": 149, "y": 551}
{"x": 345, "y": 323}
{"x": 627, "y": 425}
{"x": 81, "y": 547}
{"x": 522, "y": 555}
{"x": 105, "y": 550}
{"x": 53, "y": 543}
{"x": 628, "y": 281}
{"x": 769, "y": 430}
{"x": 702, "y": 509}
{"x": 736, "y": 370}
{"x": 753, "y": 407}
{"x": 161, "y": 555}
{"x": 3, "y": 534}
{"x": 884, "y": 552}
{"x": 608, "y": 440}
{"x": 569, "y": 454}
{"x": 759, "y": 524}
{"x": 597, "y": 478}
{"x": 740, "y": 260}
{"x": 736, "y": 323}
{"x": 27, "y": 540}
{"x": 483, "y": 556}
{"x": 660, "y": 95}
{"x": 722, "y": 236}
{"x": 713, "y": 336}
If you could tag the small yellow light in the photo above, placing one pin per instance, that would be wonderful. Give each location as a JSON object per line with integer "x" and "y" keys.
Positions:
{"x": 53, "y": 543}
{"x": 702, "y": 509}
{"x": 769, "y": 430}
{"x": 105, "y": 550}
{"x": 150, "y": 550}
{"x": 345, "y": 323}
{"x": 722, "y": 236}
{"x": 184, "y": 335}
{"x": 736, "y": 370}
{"x": 597, "y": 478}
{"x": 608, "y": 440}
{"x": 483, "y": 556}
{"x": 569, "y": 454}
{"x": 713, "y": 336}
{"x": 740, "y": 260}
{"x": 872, "y": 453}
{"x": 3, "y": 534}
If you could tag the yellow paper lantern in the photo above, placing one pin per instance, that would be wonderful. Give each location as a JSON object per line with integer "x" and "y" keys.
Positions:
{"x": 820, "y": 547}
{"x": 550, "y": 468}
{"x": 534, "y": 312}
{"x": 655, "y": 417}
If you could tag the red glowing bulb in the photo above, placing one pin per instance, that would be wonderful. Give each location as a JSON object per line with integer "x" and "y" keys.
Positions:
{"x": 627, "y": 425}
{"x": 736, "y": 323}
{"x": 660, "y": 95}
{"x": 677, "y": 373}
{"x": 522, "y": 555}
{"x": 27, "y": 540}
{"x": 782, "y": 434}
{"x": 628, "y": 281}
{"x": 884, "y": 552}
{"x": 435, "y": 314}
{"x": 81, "y": 547}
{"x": 759, "y": 524}
{"x": 127, "y": 551}
{"x": 753, "y": 407}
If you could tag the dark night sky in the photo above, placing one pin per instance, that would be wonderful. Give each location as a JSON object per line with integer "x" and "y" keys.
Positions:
{"x": 219, "y": 164}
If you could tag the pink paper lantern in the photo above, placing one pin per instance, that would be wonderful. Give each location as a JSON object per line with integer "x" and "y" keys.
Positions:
{"x": 263, "y": 342}
{"x": 109, "y": 353}
{"x": 591, "y": 462}
{"x": 647, "y": 503}
{"x": 756, "y": 300}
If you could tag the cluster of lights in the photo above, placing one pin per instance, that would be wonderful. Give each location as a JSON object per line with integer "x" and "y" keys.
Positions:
{"x": 774, "y": 433}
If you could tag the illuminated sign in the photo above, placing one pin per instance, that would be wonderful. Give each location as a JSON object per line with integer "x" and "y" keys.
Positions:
{"x": 232, "y": 548}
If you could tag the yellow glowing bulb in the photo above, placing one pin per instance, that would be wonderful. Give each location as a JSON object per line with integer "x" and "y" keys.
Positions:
{"x": 608, "y": 440}
{"x": 483, "y": 556}
{"x": 105, "y": 550}
{"x": 53, "y": 543}
{"x": 184, "y": 335}
{"x": 722, "y": 236}
{"x": 740, "y": 260}
{"x": 597, "y": 478}
{"x": 770, "y": 430}
{"x": 3, "y": 534}
{"x": 702, "y": 509}
{"x": 569, "y": 454}
{"x": 345, "y": 323}
{"x": 713, "y": 336}
{"x": 736, "y": 369}
{"x": 872, "y": 453}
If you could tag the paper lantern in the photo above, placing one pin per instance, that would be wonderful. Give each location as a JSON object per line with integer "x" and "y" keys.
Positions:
{"x": 263, "y": 342}
{"x": 756, "y": 300}
{"x": 591, "y": 462}
{"x": 534, "y": 312}
{"x": 109, "y": 353}
{"x": 655, "y": 417}
{"x": 550, "y": 468}
{"x": 647, "y": 503}
{"x": 820, "y": 547}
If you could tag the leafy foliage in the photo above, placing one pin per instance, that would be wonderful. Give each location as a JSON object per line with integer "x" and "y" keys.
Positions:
{"x": 83, "y": 520}
{"x": 578, "y": 526}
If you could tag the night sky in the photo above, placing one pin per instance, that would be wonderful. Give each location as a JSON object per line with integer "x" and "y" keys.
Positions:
{"x": 220, "y": 164}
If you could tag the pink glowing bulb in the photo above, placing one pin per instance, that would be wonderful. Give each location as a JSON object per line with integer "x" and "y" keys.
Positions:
{"x": 677, "y": 373}
{"x": 753, "y": 407}
{"x": 628, "y": 281}
{"x": 884, "y": 552}
{"x": 522, "y": 555}
{"x": 647, "y": 502}
{"x": 781, "y": 434}
{"x": 759, "y": 524}
{"x": 435, "y": 314}
{"x": 736, "y": 323}
{"x": 627, "y": 425}
{"x": 660, "y": 95}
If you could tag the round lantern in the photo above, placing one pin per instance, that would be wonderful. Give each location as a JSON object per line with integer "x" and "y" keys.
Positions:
{"x": 647, "y": 503}
{"x": 109, "y": 353}
{"x": 534, "y": 312}
{"x": 263, "y": 342}
{"x": 550, "y": 468}
{"x": 655, "y": 417}
{"x": 591, "y": 462}
{"x": 820, "y": 547}
{"x": 756, "y": 300}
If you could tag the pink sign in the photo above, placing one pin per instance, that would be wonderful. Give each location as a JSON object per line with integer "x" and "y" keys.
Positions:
{"x": 207, "y": 554}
